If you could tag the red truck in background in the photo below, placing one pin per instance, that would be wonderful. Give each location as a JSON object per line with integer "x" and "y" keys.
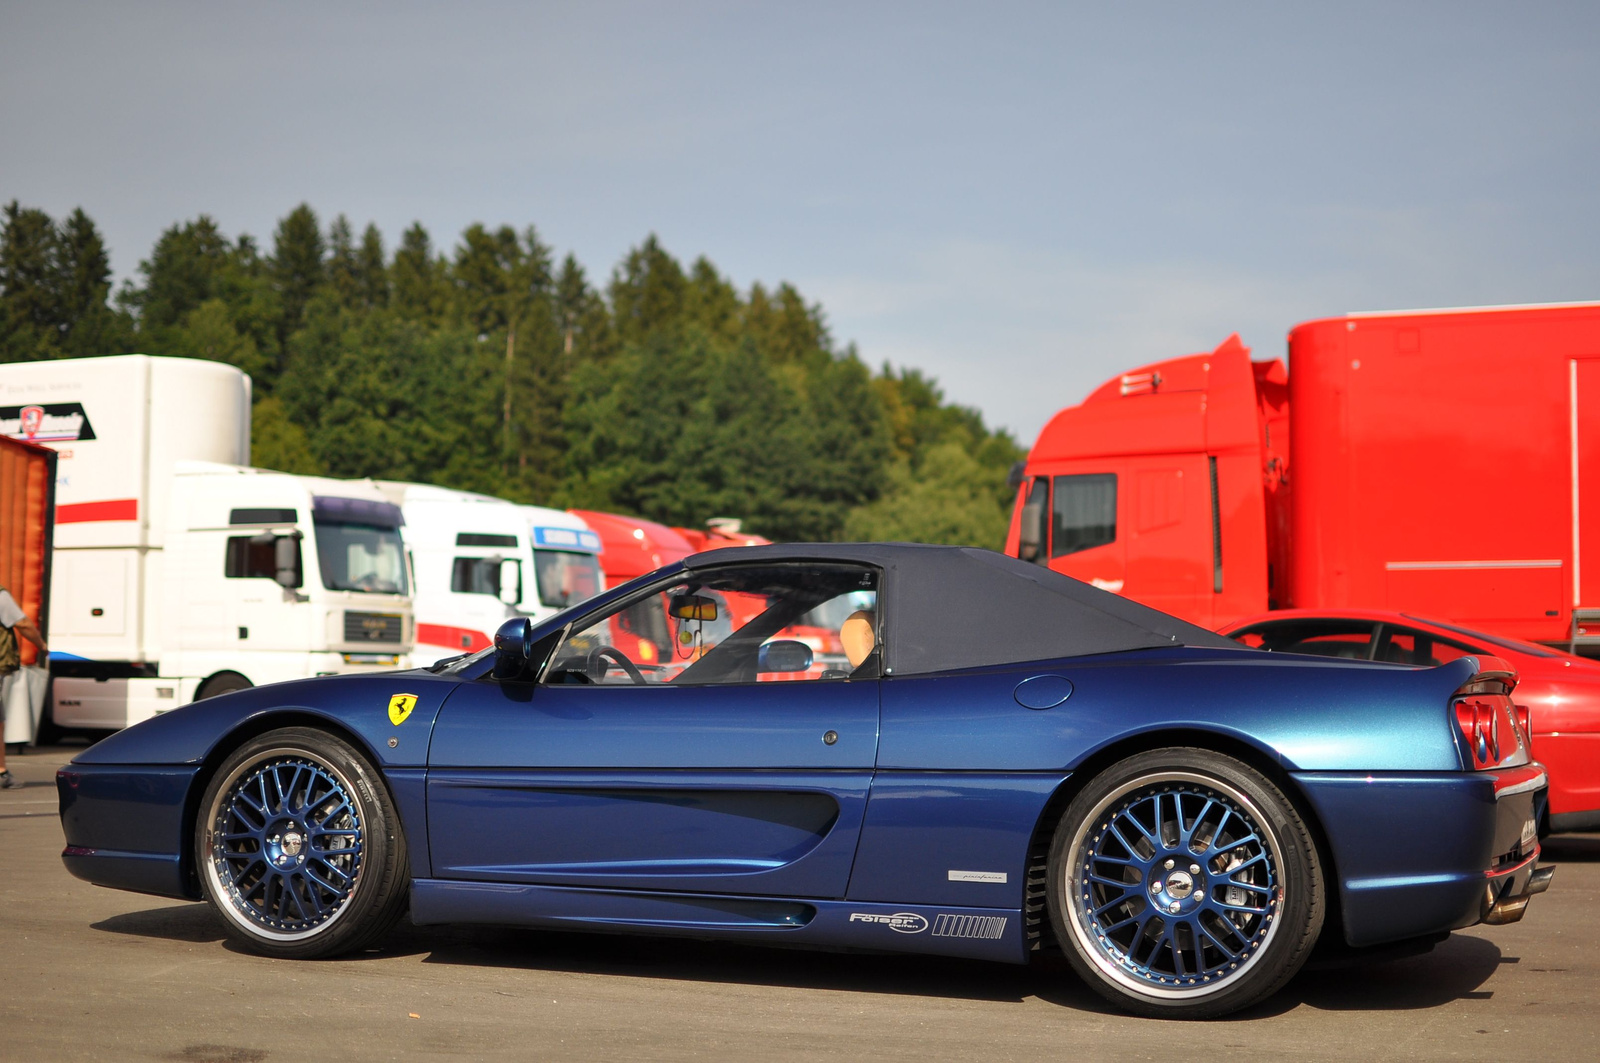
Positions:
{"x": 1441, "y": 462}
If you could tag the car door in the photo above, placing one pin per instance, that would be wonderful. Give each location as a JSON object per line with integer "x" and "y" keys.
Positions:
{"x": 734, "y": 784}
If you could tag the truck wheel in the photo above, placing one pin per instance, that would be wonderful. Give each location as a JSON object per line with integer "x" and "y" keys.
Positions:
{"x": 1184, "y": 885}
{"x": 222, "y": 683}
{"x": 299, "y": 846}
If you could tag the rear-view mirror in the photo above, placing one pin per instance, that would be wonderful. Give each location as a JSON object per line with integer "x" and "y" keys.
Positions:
{"x": 784, "y": 655}
{"x": 510, "y": 582}
{"x": 513, "y": 644}
{"x": 692, "y": 607}
{"x": 1028, "y": 541}
{"x": 286, "y": 561}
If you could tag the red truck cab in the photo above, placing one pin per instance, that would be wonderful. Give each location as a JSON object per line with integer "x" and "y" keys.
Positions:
{"x": 1445, "y": 462}
{"x": 1162, "y": 483}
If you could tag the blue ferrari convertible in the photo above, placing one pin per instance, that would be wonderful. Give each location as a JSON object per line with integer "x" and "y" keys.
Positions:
{"x": 910, "y": 748}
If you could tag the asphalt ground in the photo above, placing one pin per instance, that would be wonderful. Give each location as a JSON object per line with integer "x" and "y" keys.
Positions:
{"x": 90, "y": 973}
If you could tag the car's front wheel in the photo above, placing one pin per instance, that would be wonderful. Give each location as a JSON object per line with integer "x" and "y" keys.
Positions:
{"x": 1183, "y": 884}
{"x": 299, "y": 846}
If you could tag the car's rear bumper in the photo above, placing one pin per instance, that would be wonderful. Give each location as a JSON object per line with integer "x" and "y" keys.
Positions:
{"x": 124, "y": 826}
{"x": 1421, "y": 853}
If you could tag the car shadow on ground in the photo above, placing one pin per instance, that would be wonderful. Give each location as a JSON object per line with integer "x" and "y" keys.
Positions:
{"x": 1455, "y": 970}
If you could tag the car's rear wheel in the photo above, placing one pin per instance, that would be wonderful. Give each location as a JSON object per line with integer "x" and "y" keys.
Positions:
{"x": 1183, "y": 884}
{"x": 299, "y": 846}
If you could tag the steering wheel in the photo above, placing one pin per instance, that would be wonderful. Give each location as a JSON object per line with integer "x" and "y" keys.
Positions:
{"x": 596, "y": 666}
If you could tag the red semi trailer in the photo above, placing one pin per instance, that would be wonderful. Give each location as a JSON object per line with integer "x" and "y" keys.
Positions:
{"x": 1444, "y": 462}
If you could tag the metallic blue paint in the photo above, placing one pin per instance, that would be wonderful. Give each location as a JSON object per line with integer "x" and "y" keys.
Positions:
{"x": 1417, "y": 866}
{"x": 1042, "y": 691}
{"x": 923, "y": 825}
{"x": 125, "y": 826}
{"x": 976, "y": 933}
{"x": 1309, "y": 714}
{"x": 654, "y": 787}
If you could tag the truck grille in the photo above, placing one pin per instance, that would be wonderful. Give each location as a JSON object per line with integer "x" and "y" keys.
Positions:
{"x": 372, "y": 627}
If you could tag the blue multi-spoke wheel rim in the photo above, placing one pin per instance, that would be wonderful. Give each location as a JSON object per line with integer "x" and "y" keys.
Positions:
{"x": 1175, "y": 885}
{"x": 286, "y": 845}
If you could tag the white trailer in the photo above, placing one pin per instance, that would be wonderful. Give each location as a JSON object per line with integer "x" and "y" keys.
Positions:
{"x": 180, "y": 573}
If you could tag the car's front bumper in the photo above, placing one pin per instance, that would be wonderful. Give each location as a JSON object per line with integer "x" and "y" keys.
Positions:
{"x": 124, "y": 826}
{"x": 1425, "y": 852}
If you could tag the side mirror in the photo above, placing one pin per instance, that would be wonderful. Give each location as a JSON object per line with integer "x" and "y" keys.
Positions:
{"x": 286, "y": 561}
{"x": 1029, "y": 541}
{"x": 691, "y": 607}
{"x": 513, "y": 646}
{"x": 784, "y": 655}
{"x": 510, "y": 581}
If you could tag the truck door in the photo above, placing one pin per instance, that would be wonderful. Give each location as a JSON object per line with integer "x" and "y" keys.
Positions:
{"x": 1170, "y": 536}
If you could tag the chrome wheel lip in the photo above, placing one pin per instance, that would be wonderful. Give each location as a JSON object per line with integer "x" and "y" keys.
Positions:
{"x": 1077, "y": 916}
{"x": 226, "y": 892}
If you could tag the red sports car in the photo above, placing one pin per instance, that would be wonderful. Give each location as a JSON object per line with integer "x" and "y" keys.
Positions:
{"x": 1558, "y": 694}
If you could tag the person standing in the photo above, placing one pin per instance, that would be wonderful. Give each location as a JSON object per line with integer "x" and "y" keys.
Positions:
{"x": 13, "y": 622}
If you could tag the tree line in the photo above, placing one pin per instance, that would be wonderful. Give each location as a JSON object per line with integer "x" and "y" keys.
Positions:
{"x": 668, "y": 392}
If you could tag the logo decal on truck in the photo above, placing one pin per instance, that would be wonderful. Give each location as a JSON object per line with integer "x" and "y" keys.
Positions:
{"x": 400, "y": 706}
{"x": 53, "y": 422}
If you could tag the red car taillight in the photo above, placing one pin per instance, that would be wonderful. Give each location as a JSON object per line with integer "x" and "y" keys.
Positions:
{"x": 1479, "y": 719}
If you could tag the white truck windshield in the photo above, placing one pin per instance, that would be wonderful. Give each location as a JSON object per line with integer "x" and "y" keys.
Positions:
{"x": 361, "y": 557}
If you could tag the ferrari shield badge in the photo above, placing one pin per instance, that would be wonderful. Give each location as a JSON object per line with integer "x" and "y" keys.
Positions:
{"x": 400, "y": 706}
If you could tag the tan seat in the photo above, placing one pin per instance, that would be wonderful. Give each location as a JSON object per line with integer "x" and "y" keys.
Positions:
{"x": 857, "y": 636}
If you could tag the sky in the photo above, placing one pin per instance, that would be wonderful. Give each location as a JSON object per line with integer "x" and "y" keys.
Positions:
{"x": 1022, "y": 200}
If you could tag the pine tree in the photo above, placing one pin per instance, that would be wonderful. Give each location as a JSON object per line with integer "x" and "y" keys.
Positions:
{"x": 372, "y": 272}
{"x": 418, "y": 279}
{"x": 296, "y": 267}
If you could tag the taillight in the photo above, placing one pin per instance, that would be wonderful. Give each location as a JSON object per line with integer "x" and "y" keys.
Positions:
{"x": 1479, "y": 720}
{"x": 1524, "y": 720}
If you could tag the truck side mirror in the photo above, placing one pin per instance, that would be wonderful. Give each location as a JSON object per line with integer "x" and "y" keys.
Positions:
{"x": 286, "y": 561}
{"x": 1029, "y": 541}
{"x": 510, "y": 581}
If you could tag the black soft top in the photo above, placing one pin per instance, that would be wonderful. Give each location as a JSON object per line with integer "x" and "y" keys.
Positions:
{"x": 950, "y": 607}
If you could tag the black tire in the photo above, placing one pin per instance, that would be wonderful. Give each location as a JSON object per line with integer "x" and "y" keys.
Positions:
{"x": 279, "y": 891}
{"x": 222, "y": 683}
{"x": 1184, "y": 885}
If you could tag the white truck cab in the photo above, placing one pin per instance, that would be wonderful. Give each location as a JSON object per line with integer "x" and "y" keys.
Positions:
{"x": 470, "y": 554}
{"x": 566, "y": 560}
{"x": 181, "y": 573}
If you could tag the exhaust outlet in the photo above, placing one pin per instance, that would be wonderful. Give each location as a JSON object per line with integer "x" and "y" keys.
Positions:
{"x": 1507, "y": 910}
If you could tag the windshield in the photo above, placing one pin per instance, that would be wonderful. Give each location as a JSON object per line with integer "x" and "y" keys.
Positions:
{"x": 361, "y": 557}
{"x": 566, "y": 578}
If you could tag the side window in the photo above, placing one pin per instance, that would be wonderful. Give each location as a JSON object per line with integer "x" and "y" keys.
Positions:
{"x": 249, "y": 559}
{"x": 1084, "y": 514}
{"x": 1321, "y": 638}
{"x": 1410, "y": 646}
{"x": 741, "y": 624}
{"x": 260, "y": 556}
{"x": 477, "y": 575}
